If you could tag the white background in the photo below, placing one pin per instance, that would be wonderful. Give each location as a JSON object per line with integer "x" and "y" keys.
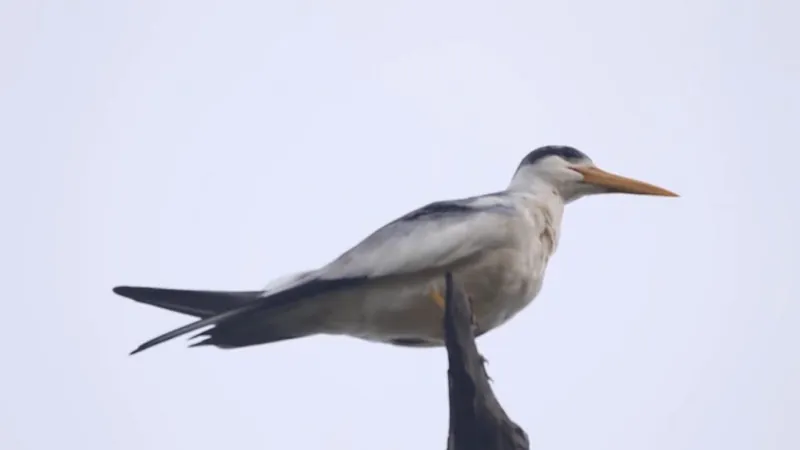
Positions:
{"x": 218, "y": 145}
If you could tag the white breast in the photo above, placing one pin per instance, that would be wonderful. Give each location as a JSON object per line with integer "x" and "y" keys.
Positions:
{"x": 512, "y": 278}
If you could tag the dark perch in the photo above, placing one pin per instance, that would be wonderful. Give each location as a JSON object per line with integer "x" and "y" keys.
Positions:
{"x": 477, "y": 421}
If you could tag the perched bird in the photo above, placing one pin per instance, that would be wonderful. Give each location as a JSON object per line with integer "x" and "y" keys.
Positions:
{"x": 389, "y": 287}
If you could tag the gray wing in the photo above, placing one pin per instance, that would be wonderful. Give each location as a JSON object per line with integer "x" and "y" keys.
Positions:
{"x": 432, "y": 237}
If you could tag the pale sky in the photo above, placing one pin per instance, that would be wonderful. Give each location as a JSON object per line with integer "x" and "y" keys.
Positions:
{"x": 219, "y": 145}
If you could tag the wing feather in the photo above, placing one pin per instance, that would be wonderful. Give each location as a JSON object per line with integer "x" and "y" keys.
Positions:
{"x": 429, "y": 238}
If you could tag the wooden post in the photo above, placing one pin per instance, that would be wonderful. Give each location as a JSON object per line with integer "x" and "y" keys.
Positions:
{"x": 477, "y": 421}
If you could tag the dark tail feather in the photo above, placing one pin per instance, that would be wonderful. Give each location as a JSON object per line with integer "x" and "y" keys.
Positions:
{"x": 200, "y": 304}
{"x": 204, "y": 342}
{"x": 276, "y": 300}
{"x": 213, "y": 320}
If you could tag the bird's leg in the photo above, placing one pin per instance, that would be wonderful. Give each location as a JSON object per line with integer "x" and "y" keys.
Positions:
{"x": 437, "y": 297}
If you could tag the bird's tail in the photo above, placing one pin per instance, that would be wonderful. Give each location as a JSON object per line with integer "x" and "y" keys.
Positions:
{"x": 229, "y": 309}
{"x": 200, "y": 304}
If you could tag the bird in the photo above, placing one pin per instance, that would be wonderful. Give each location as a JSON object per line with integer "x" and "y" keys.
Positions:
{"x": 389, "y": 287}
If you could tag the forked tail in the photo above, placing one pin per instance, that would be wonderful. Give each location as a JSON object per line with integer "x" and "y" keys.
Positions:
{"x": 218, "y": 307}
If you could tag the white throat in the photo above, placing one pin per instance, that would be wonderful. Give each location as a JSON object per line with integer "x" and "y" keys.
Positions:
{"x": 545, "y": 206}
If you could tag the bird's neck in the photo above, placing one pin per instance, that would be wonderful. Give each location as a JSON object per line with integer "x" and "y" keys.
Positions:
{"x": 544, "y": 203}
{"x": 540, "y": 192}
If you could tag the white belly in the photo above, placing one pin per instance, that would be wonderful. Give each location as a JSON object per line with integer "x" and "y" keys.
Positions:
{"x": 499, "y": 285}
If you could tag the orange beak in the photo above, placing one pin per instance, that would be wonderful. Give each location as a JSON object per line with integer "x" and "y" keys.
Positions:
{"x": 617, "y": 183}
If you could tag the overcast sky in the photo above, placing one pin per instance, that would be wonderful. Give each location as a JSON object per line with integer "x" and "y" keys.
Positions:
{"x": 218, "y": 145}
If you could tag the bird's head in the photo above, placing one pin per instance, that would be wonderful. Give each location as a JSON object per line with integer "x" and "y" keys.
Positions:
{"x": 572, "y": 175}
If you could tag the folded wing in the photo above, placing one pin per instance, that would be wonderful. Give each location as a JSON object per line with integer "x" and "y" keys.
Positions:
{"x": 428, "y": 239}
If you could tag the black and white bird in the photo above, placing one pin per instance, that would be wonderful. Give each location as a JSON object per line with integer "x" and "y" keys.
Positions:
{"x": 389, "y": 287}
